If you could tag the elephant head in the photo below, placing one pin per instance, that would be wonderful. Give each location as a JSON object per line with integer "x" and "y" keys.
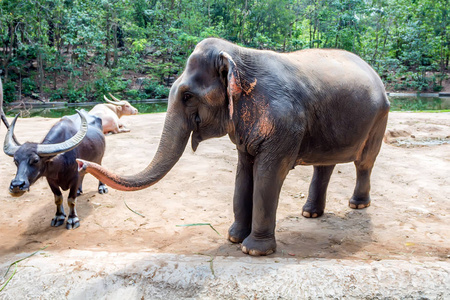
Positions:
{"x": 200, "y": 105}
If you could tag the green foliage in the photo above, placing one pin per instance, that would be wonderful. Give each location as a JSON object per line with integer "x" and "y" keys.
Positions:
{"x": 155, "y": 90}
{"x": 79, "y": 50}
{"x": 28, "y": 86}
{"x": 138, "y": 46}
{"x": 9, "y": 92}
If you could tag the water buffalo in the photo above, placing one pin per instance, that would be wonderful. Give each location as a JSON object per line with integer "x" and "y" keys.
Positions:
{"x": 76, "y": 136}
{"x": 316, "y": 107}
{"x": 111, "y": 114}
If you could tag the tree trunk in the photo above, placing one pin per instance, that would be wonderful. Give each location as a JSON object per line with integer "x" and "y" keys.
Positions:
{"x": 116, "y": 50}
{"x": 108, "y": 27}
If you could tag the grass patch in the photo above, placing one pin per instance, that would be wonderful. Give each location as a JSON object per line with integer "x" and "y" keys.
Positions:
{"x": 15, "y": 269}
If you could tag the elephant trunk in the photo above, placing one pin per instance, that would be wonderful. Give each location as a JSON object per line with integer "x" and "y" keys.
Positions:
{"x": 173, "y": 142}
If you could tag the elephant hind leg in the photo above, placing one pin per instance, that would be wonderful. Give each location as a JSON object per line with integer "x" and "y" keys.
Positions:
{"x": 315, "y": 204}
{"x": 361, "y": 194}
{"x": 364, "y": 165}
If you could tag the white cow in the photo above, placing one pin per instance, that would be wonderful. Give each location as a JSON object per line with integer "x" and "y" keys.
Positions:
{"x": 111, "y": 113}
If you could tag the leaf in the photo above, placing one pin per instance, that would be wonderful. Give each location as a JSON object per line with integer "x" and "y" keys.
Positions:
{"x": 133, "y": 210}
{"x": 199, "y": 224}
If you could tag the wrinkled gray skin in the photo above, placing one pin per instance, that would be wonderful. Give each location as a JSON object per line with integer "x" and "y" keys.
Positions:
{"x": 312, "y": 107}
{"x": 60, "y": 170}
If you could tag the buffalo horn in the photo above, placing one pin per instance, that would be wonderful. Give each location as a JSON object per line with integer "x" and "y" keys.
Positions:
{"x": 54, "y": 149}
{"x": 115, "y": 102}
{"x": 10, "y": 146}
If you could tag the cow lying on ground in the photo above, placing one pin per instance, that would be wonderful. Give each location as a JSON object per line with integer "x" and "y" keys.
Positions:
{"x": 54, "y": 158}
{"x": 111, "y": 113}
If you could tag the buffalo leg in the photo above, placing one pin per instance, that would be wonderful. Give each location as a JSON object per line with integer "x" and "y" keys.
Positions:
{"x": 60, "y": 216}
{"x": 72, "y": 221}
{"x": 268, "y": 178}
{"x": 242, "y": 201}
{"x": 315, "y": 205}
{"x": 102, "y": 189}
{"x": 123, "y": 128}
{"x": 80, "y": 182}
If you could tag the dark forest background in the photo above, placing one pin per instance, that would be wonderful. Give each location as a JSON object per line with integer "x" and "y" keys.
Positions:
{"x": 76, "y": 51}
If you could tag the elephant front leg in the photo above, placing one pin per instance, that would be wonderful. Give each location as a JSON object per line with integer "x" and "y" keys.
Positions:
{"x": 73, "y": 221}
{"x": 268, "y": 179}
{"x": 242, "y": 201}
{"x": 315, "y": 205}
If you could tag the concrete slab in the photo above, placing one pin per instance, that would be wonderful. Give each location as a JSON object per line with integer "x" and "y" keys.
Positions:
{"x": 105, "y": 275}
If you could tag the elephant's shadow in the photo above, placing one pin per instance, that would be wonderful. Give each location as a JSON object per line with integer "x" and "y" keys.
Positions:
{"x": 330, "y": 236}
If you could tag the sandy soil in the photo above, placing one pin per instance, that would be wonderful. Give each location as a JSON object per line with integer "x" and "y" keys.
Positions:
{"x": 408, "y": 218}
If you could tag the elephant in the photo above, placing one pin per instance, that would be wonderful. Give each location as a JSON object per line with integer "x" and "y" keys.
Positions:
{"x": 318, "y": 107}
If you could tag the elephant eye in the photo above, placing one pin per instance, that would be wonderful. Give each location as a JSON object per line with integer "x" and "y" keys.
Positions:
{"x": 186, "y": 97}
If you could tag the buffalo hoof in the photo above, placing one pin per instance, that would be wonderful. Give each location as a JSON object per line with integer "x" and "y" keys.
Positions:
{"x": 102, "y": 189}
{"x": 358, "y": 203}
{"x": 58, "y": 220}
{"x": 237, "y": 233}
{"x": 72, "y": 223}
{"x": 258, "y": 247}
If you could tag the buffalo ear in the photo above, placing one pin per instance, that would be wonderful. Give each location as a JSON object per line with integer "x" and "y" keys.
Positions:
{"x": 233, "y": 81}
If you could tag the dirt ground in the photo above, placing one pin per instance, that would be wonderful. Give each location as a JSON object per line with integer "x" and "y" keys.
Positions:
{"x": 409, "y": 217}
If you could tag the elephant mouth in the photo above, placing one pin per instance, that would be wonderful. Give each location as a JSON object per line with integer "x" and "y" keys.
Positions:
{"x": 195, "y": 140}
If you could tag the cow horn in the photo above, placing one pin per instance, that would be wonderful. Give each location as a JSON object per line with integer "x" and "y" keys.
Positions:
{"x": 54, "y": 149}
{"x": 10, "y": 146}
{"x": 115, "y": 102}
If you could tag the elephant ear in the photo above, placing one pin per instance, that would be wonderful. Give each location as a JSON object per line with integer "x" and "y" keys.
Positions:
{"x": 234, "y": 88}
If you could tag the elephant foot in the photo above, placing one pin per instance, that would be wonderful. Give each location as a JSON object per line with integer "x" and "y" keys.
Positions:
{"x": 311, "y": 211}
{"x": 102, "y": 189}
{"x": 72, "y": 223}
{"x": 58, "y": 220}
{"x": 358, "y": 203}
{"x": 258, "y": 247}
{"x": 237, "y": 233}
